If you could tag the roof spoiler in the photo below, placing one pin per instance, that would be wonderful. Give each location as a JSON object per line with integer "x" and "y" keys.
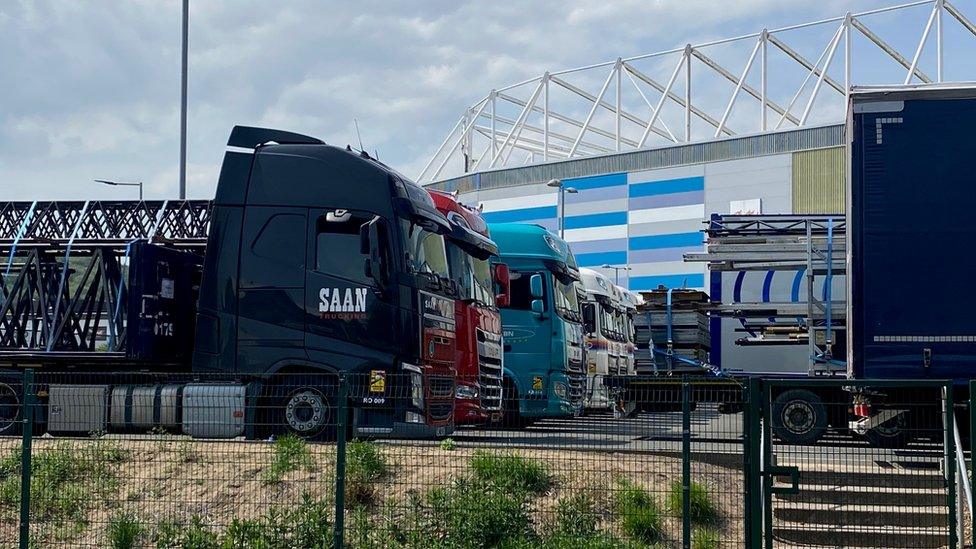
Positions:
{"x": 248, "y": 137}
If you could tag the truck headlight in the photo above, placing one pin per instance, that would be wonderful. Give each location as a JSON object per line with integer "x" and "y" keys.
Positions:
{"x": 414, "y": 417}
{"x": 417, "y": 390}
{"x": 560, "y": 389}
{"x": 465, "y": 391}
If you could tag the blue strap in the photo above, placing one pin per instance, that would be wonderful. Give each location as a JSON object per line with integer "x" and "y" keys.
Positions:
{"x": 64, "y": 271}
{"x": 20, "y": 233}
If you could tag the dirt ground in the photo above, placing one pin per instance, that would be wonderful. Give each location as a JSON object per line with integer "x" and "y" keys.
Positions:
{"x": 169, "y": 480}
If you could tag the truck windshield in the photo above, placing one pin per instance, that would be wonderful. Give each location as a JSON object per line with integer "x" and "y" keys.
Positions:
{"x": 472, "y": 275}
{"x": 566, "y": 301}
{"x": 425, "y": 252}
{"x": 608, "y": 322}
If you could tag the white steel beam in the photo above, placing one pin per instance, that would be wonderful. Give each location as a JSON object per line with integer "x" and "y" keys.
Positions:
{"x": 921, "y": 44}
{"x": 738, "y": 86}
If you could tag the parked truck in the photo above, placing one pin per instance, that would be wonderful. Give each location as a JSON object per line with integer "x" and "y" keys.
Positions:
{"x": 604, "y": 338}
{"x": 631, "y": 301}
{"x": 311, "y": 262}
{"x": 544, "y": 374}
{"x": 483, "y": 287}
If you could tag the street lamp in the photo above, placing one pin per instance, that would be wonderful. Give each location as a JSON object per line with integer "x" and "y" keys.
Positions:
{"x": 562, "y": 202}
{"x": 616, "y": 271}
{"x": 122, "y": 184}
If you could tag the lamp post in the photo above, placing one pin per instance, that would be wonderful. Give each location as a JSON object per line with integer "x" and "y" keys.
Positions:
{"x": 616, "y": 271}
{"x": 561, "y": 202}
{"x": 122, "y": 184}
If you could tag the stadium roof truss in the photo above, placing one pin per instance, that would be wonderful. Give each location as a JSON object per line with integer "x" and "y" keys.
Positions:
{"x": 690, "y": 94}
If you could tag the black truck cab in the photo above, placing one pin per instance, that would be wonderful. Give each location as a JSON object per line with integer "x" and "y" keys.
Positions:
{"x": 321, "y": 259}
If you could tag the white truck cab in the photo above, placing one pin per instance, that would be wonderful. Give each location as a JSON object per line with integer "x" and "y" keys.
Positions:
{"x": 630, "y": 300}
{"x": 604, "y": 329}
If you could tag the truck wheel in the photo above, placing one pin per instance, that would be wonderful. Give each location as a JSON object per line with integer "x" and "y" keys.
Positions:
{"x": 798, "y": 417}
{"x": 9, "y": 411}
{"x": 305, "y": 410}
{"x": 893, "y": 433}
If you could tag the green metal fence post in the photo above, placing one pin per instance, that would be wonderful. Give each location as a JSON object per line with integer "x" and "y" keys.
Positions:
{"x": 685, "y": 463}
{"x": 751, "y": 447}
{"x": 340, "y": 478}
{"x": 950, "y": 442}
{"x": 27, "y": 417}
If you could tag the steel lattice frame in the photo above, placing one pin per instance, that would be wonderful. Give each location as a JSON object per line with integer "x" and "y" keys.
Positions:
{"x": 485, "y": 138}
{"x": 63, "y": 275}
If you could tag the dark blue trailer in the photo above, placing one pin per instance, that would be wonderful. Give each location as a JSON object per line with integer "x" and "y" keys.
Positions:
{"x": 912, "y": 195}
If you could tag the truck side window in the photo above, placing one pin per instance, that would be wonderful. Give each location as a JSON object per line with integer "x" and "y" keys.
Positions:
{"x": 521, "y": 294}
{"x": 337, "y": 248}
{"x": 277, "y": 249}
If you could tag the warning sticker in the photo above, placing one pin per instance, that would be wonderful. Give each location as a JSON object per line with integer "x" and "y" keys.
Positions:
{"x": 537, "y": 383}
{"x": 377, "y": 381}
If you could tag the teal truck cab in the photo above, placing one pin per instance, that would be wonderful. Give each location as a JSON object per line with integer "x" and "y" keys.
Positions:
{"x": 543, "y": 337}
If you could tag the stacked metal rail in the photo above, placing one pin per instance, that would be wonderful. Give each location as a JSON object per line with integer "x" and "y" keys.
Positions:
{"x": 672, "y": 332}
{"x": 813, "y": 247}
{"x": 64, "y": 261}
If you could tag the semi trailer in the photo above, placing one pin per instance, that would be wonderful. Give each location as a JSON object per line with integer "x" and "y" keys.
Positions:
{"x": 877, "y": 294}
{"x": 483, "y": 287}
{"x": 544, "y": 357}
{"x": 313, "y": 266}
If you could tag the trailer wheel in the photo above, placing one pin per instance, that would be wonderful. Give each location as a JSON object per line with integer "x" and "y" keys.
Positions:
{"x": 798, "y": 417}
{"x": 893, "y": 433}
{"x": 9, "y": 411}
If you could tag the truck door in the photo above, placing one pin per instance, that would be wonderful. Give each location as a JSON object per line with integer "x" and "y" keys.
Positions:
{"x": 271, "y": 322}
{"x": 350, "y": 323}
{"x": 527, "y": 334}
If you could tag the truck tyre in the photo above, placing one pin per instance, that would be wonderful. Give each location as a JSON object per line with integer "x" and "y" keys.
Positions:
{"x": 798, "y": 417}
{"x": 10, "y": 423}
{"x": 893, "y": 433}
{"x": 304, "y": 407}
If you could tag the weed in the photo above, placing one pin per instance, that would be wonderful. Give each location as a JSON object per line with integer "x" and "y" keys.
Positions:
{"x": 640, "y": 513}
{"x": 365, "y": 464}
{"x": 185, "y": 452}
{"x": 290, "y": 454}
{"x": 448, "y": 444}
{"x": 193, "y": 535}
{"x": 124, "y": 531}
{"x": 511, "y": 472}
{"x": 576, "y": 517}
{"x": 473, "y": 514}
{"x": 702, "y": 509}
{"x": 705, "y": 539}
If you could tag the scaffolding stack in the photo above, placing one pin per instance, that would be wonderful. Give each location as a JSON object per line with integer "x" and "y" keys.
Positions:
{"x": 813, "y": 248}
{"x": 672, "y": 332}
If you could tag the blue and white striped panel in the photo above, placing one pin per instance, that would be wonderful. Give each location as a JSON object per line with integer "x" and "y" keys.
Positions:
{"x": 528, "y": 204}
{"x": 666, "y": 209}
{"x": 596, "y": 219}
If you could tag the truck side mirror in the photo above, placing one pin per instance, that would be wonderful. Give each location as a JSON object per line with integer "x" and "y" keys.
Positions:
{"x": 535, "y": 286}
{"x": 537, "y": 306}
{"x": 503, "y": 281}
{"x": 589, "y": 318}
{"x": 371, "y": 240}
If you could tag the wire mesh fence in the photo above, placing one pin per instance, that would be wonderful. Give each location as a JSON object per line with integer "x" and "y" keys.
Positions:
{"x": 377, "y": 460}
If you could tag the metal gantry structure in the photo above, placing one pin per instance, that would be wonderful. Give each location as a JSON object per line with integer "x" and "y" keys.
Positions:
{"x": 63, "y": 277}
{"x": 656, "y": 98}
{"x": 807, "y": 247}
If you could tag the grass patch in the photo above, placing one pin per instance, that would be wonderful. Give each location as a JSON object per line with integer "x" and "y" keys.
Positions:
{"x": 705, "y": 539}
{"x": 365, "y": 464}
{"x": 124, "y": 531}
{"x": 289, "y": 454}
{"x": 65, "y": 481}
{"x": 511, "y": 472}
{"x": 702, "y": 510}
{"x": 472, "y": 513}
{"x": 448, "y": 445}
{"x": 640, "y": 514}
{"x": 195, "y": 534}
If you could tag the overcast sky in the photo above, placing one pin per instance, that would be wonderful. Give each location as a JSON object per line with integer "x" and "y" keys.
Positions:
{"x": 92, "y": 89}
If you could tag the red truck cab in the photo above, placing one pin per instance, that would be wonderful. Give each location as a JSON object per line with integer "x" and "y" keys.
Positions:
{"x": 482, "y": 289}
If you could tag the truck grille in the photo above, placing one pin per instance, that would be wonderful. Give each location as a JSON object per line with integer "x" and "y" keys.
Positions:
{"x": 490, "y": 370}
{"x": 441, "y": 386}
{"x": 577, "y": 386}
{"x": 440, "y": 410}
